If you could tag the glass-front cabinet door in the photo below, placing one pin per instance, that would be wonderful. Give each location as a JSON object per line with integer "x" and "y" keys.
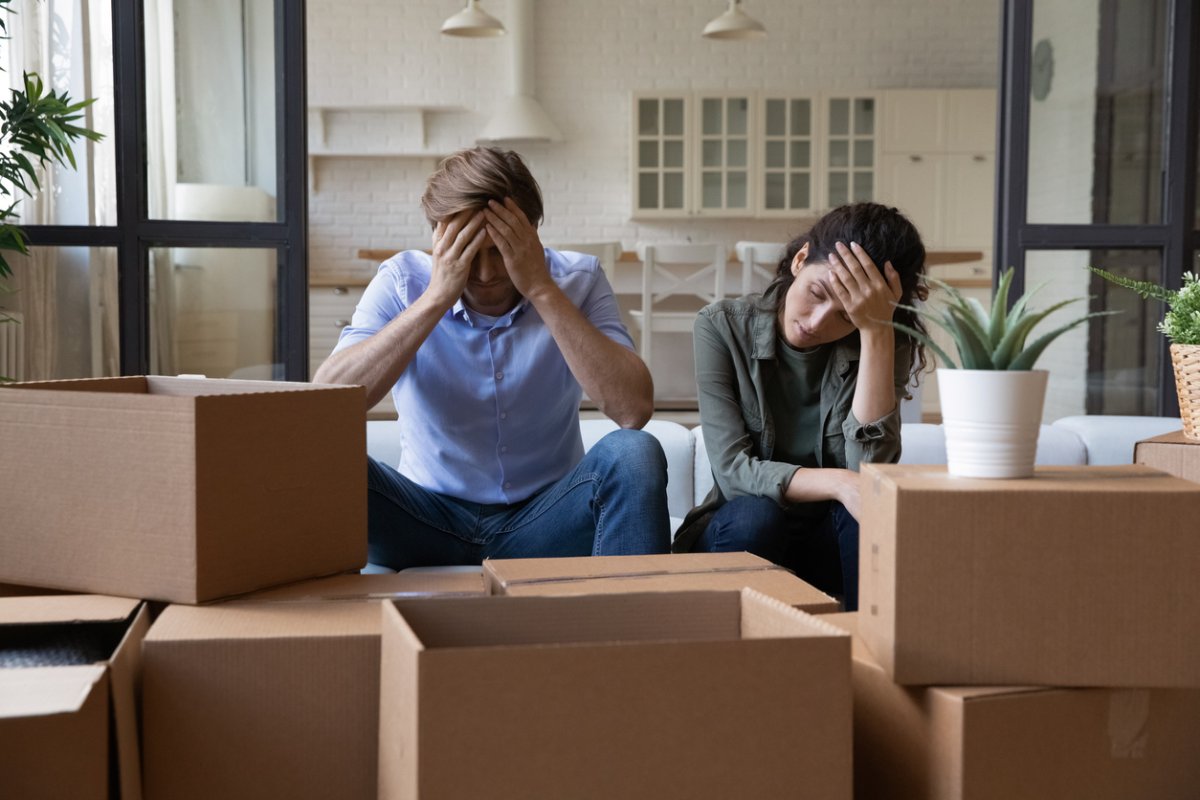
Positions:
{"x": 851, "y": 140}
{"x": 787, "y": 184}
{"x": 660, "y": 155}
{"x": 725, "y": 133}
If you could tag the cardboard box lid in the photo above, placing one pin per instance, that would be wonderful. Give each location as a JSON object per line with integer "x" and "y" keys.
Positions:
{"x": 251, "y": 620}
{"x": 42, "y": 609}
{"x": 356, "y": 586}
{"x": 42, "y": 691}
{"x": 162, "y": 388}
{"x": 508, "y": 572}
{"x": 1068, "y": 479}
{"x": 1175, "y": 437}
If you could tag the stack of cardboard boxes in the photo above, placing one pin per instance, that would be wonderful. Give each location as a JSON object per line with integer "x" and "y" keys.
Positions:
{"x": 651, "y": 676}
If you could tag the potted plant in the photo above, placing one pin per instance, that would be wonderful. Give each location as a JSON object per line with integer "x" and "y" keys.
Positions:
{"x": 1181, "y": 326}
{"x": 991, "y": 396}
{"x": 37, "y": 128}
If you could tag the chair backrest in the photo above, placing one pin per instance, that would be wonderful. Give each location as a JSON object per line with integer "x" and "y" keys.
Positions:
{"x": 760, "y": 260}
{"x": 692, "y": 270}
{"x": 606, "y": 252}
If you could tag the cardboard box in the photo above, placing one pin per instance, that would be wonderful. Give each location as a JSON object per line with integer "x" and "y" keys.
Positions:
{"x": 1173, "y": 453}
{"x": 1000, "y": 743}
{"x": 1079, "y": 576}
{"x": 690, "y": 694}
{"x": 180, "y": 489}
{"x": 68, "y": 716}
{"x": 678, "y": 572}
{"x": 275, "y": 694}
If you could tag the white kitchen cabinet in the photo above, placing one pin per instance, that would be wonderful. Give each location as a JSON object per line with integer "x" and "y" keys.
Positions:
{"x": 914, "y": 121}
{"x": 971, "y": 120}
{"x": 725, "y": 154}
{"x": 850, "y": 143}
{"x": 661, "y": 155}
{"x": 968, "y": 221}
{"x": 788, "y": 155}
{"x": 916, "y": 184}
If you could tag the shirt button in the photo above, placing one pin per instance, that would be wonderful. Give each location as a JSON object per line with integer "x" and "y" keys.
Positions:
{"x": 495, "y": 333}
{"x": 507, "y": 485}
{"x": 499, "y": 376}
{"x": 504, "y": 449}
{"x": 503, "y": 415}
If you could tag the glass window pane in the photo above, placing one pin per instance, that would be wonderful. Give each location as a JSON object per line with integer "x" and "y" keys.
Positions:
{"x": 711, "y": 152}
{"x": 710, "y": 186}
{"x": 801, "y": 195}
{"x": 1108, "y": 365}
{"x": 737, "y": 110}
{"x": 210, "y": 112}
{"x": 647, "y": 190}
{"x": 801, "y": 117}
{"x": 648, "y": 117}
{"x": 735, "y": 153}
{"x": 672, "y": 154}
{"x": 61, "y": 307}
{"x": 72, "y": 52}
{"x": 839, "y": 153}
{"x": 839, "y": 188}
{"x": 776, "y": 154}
{"x": 864, "y": 186}
{"x": 735, "y": 188}
{"x": 1096, "y": 112}
{"x": 776, "y": 118}
{"x": 673, "y": 190}
{"x": 212, "y": 312}
{"x": 673, "y": 117}
{"x": 710, "y": 117}
{"x": 864, "y": 117}
{"x": 839, "y": 117}
{"x": 648, "y": 154}
{"x": 864, "y": 153}
{"x": 801, "y": 154}
{"x": 774, "y": 190}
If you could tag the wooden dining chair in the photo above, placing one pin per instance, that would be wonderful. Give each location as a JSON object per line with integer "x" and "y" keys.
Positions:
{"x": 760, "y": 261}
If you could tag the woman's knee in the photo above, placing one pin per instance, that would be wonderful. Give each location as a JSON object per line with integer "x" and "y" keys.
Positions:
{"x": 755, "y": 524}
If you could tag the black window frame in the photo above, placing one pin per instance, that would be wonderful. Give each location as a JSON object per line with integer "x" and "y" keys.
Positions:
{"x": 1177, "y": 237}
{"x": 136, "y": 233}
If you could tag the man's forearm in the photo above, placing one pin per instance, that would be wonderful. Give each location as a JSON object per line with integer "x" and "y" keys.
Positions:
{"x": 612, "y": 375}
{"x": 378, "y": 362}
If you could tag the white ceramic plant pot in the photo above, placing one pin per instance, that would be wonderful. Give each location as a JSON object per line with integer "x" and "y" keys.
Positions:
{"x": 991, "y": 419}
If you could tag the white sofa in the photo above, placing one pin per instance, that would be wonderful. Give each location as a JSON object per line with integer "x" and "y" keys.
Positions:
{"x": 1070, "y": 440}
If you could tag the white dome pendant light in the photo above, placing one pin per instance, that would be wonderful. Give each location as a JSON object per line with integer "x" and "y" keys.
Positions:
{"x": 472, "y": 21}
{"x": 734, "y": 24}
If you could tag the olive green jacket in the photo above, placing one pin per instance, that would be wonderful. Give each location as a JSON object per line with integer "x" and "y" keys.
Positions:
{"x": 735, "y": 343}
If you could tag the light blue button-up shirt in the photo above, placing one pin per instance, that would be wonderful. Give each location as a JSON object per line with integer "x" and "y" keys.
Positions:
{"x": 488, "y": 409}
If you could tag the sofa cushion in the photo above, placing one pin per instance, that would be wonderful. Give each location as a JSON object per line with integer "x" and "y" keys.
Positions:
{"x": 1110, "y": 439}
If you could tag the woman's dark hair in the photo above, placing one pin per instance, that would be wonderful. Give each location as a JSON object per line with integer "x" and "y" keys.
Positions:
{"x": 886, "y": 235}
{"x": 466, "y": 180}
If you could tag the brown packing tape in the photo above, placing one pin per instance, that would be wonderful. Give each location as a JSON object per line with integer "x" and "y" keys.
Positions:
{"x": 655, "y": 573}
{"x": 1128, "y": 722}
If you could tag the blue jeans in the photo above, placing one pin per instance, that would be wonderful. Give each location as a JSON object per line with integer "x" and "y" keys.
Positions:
{"x": 613, "y": 503}
{"x": 821, "y": 549}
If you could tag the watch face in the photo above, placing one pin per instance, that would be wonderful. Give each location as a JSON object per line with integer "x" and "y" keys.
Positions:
{"x": 1041, "y": 69}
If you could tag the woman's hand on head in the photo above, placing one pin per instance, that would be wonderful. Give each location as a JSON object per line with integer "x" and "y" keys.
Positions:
{"x": 867, "y": 294}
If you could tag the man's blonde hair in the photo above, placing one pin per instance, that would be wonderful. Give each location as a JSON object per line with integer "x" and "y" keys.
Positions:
{"x": 466, "y": 180}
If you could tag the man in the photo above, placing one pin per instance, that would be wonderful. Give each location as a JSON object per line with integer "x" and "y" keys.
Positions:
{"x": 485, "y": 346}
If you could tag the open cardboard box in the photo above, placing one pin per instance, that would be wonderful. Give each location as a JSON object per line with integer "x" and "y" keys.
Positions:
{"x": 68, "y": 710}
{"x": 677, "y": 572}
{"x": 998, "y": 743}
{"x": 689, "y": 694}
{"x": 1079, "y": 576}
{"x": 275, "y": 694}
{"x": 180, "y": 489}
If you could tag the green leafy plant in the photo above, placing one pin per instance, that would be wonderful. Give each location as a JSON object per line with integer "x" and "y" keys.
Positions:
{"x": 1181, "y": 323}
{"x": 995, "y": 340}
{"x": 37, "y": 127}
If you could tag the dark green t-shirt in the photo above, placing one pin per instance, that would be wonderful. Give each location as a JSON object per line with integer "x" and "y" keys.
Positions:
{"x": 794, "y": 397}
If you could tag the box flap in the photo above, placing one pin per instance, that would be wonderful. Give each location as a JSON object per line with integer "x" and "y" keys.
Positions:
{"x": 250, "y": 620}
{"x": 46, "y": 690}
{"x": 356, "y": 586}
{"x": 1175, "y": 437}
{"x": 126, "y": 679}
{"x": 1121, "y": 477}
{"x": 503, "y": 573}
{"x": 39, "y": 609}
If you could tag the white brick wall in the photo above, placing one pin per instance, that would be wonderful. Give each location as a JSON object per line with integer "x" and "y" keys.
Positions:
{"x": 589, "y": 56}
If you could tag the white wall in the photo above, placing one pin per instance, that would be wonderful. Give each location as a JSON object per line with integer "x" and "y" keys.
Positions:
{"x": 589, "y": 56}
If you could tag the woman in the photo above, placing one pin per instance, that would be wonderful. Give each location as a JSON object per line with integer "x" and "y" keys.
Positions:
{"x": 801, "y": 384}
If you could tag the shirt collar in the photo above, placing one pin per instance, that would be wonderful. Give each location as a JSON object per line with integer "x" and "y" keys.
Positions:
{"x": 460, "y": 312}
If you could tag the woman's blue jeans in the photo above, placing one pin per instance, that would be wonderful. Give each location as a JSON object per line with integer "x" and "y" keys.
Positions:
{"x": 821, "y": 548}
{"x": 613, "y": 503}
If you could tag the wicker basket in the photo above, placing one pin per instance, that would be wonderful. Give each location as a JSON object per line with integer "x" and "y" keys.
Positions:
{"x": 1186, "y": 360}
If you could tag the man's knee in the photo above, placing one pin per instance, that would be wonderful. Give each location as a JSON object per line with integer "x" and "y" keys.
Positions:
{"x": 628, "y": 449}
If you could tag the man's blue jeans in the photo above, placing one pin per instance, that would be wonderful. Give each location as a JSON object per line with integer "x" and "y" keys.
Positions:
{"x": 613, "y": 503}
{"x": 821, "y": 548}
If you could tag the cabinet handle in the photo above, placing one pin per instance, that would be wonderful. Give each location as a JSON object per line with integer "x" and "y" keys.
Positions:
{"x": 340, "y": 323}
{"x": 340, "y": 290}
{"x": 979, "y": 158}
{"x": 915, "y": 158}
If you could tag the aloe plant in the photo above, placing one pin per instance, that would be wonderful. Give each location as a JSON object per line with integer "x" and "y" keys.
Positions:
{"x": 1181, "y": 323}
{"x": 995, "y": 340}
